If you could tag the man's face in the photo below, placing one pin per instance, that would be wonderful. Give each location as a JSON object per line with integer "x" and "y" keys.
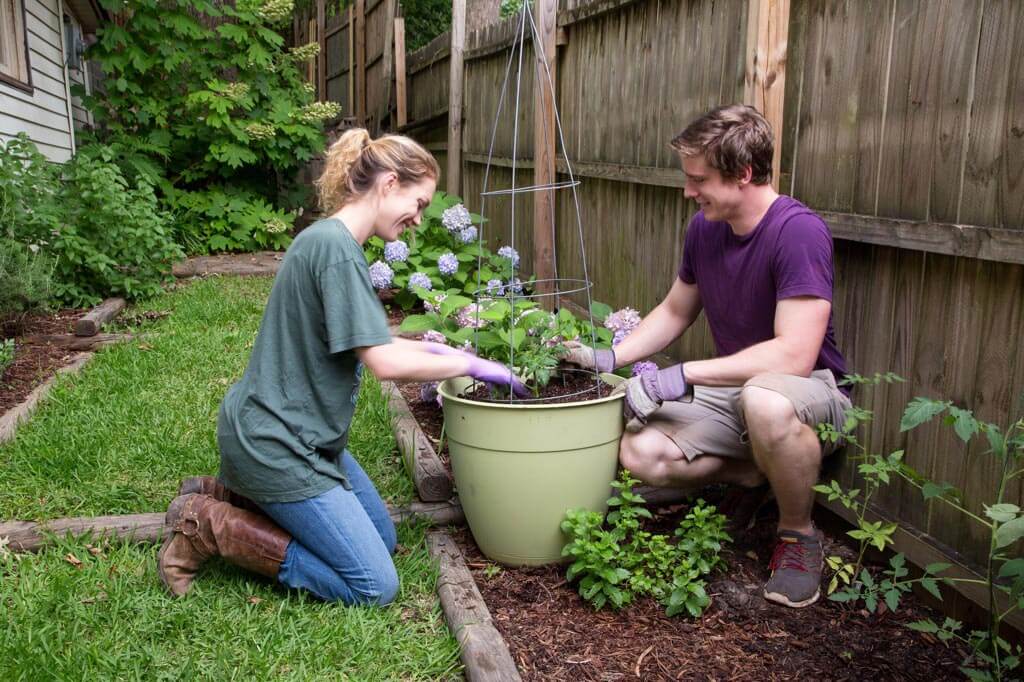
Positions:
{"x": 402, "y": 206}
{"x": 719, "y": 198}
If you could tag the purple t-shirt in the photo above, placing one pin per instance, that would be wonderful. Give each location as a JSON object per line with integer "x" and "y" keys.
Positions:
{"x": 740, "y": 279}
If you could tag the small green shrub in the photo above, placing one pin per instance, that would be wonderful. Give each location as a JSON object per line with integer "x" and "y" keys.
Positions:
{"x": 228, "y": 219}
{"x": 6, "y": 354}
{"x": 615, "y": 560}
{"x": 25, "y": 279}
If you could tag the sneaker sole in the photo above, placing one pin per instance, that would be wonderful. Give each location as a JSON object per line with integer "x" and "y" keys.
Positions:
{"x": 786, "y": 601}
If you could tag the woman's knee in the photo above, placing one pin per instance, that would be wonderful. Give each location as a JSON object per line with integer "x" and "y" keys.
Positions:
{"x": 379, "y": 587}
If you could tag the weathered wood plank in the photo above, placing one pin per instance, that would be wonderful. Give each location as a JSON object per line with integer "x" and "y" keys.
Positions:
{"x": 30, "y": 536}
{"x": 483, "y": 651}
{"x": 91, "y": 323}
{"x": 453, "y": 179}
{"x": 421, "y": 461}
{"x": 545, "y": 86}
{"x": 765, "y": 66}
{"x": 401, "y": 108}
{"x": 360, "y": 61}
{"x": 72, "y": 342}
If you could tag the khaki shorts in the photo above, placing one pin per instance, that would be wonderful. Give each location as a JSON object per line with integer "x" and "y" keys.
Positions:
{"x": 713, "y": 423}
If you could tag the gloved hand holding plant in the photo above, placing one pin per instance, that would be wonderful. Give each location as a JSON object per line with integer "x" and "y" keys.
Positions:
{"x": 597, "y": 359}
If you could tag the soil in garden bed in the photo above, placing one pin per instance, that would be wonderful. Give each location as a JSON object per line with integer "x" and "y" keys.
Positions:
{"x": 34, "y": 363}
{"x": 554, "y": 635}
{"x": 568, "y": 386}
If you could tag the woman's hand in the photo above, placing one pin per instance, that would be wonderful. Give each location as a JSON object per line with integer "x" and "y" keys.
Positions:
{"x": 495, "y": 373}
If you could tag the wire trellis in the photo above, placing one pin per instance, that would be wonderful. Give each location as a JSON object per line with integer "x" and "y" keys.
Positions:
{"x": 526, "y": 19}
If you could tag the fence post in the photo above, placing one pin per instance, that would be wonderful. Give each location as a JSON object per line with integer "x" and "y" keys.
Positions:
{"x": 351, "y": 61}
{"x": 321, "y": 57}
{"x": 361, "y": 61}
{"x": 454, "y": 181}
{"x": 389, "y": 61}
{"x": 764, "y": 82}
{"x": 544, "y": 149}
{"x": 400, "y": 105}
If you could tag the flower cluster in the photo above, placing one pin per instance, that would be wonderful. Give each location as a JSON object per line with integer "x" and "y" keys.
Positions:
{"x": 261, "y": 131}
{"x": 432, "y": 336}
{"x": 456, "y": 218}
{"x": 318, "y": 111}
{"x": 428, "y": 393}
{"x": 622, "y": 322}
{"x": 447, "y": 263}
{"x": 511, "y": 254}
{"x": 643, "y": 367}
{"x": 515, "y": 285}
{"x": 468, "y": 235}
{"x": 419, "y": 279}
{"x": 235, "y": 91}
{"x": 434, "y": 305}
{"x": 304, "y": 53}
{"x": 275, "y": 225}
{"x": 470, "y": 316}
{"x": 309, "y": 88}
{"x": 276, "y": 11}
{"x": 381, "y": 275}
{"x": 494, "y": 287}
{"x": 396, "y": 251}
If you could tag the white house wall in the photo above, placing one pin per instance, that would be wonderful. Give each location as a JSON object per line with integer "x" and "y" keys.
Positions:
{"x": 43, "y": 114}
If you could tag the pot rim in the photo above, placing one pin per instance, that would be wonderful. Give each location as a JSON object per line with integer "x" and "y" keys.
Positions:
{"x": 610, "y": 379}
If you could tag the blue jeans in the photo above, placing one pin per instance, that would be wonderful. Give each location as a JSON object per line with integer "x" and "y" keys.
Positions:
{"x": 342, "y": 541}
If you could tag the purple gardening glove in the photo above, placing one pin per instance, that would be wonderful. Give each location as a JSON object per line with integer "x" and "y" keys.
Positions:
{"x": 597, "y": 359}
{"x": 647, "y": 391}
{"x": 495, "y": 373}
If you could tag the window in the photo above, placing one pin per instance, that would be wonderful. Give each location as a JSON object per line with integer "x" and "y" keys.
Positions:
{"x": 13, "y": 46}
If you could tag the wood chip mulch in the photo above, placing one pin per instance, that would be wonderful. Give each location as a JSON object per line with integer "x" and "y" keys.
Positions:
{"x": 34, "y": 363}
{"x": 554, "y": 635}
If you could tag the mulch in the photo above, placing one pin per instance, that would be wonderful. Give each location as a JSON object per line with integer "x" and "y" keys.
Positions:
{"x": 34, "y": 363}
{"x": 554, "y": 635}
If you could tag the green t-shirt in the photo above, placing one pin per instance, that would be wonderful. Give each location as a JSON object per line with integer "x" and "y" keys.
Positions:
{"x": 282, "y": 428}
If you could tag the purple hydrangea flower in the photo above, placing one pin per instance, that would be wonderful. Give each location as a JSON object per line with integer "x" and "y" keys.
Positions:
{"x": 381, "y": 275}
{"x": 448, "y": 264}
{"x": 515, "y": 285}
{"x": 470, "y": 316}
{"x": 643, "y": 367}
{"x": 419, "y": 279}
{"x": 456, "y": 218}
{"x": 467, "y": 347}
{"x": 468, "y": 234}
{"x": 494, "y": 287}
{"x": 428, "y": 392}
{"x": 396, "y": 251}
{"x": 619, "y": 335}
{"x": 434, "y": 336}
{"x": 511, "y": 254}
{"x": 625, "y": 320}
{"x": 434, "y": 306}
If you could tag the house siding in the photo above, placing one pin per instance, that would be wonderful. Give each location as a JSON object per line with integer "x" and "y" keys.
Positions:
{"x": 43, "y": 113}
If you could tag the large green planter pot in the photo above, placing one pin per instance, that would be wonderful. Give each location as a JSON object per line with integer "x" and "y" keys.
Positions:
{"x": 518, "y": 468}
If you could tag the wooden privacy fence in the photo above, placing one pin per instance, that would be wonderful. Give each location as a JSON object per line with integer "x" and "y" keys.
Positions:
{"x": 357, "y": 65}
{"x": 901, "y": 122}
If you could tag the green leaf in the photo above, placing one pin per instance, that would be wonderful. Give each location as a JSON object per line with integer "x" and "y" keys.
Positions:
{"x": 924, "y": 626}
{"x": 921, "y": 410}
{"x": 1010, "y": 532}
{"x": 892, "y": 599}
{"x": 1014, "y": 568}
{"x": 453, "y": 303}
{"x": 964, "y": 423}
{"x": 936, "y": 568}
{"x": 1002, "y": 513}
{"x": 932, "y": 587}
{"x": 416, "y": 323}
{"x": 600, "y": 311}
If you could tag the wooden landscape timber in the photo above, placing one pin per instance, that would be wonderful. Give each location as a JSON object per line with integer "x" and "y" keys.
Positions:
{"x": 91, "y": 323}
{"x": 261, "y": 263}
{"x": 72, "y": 342}
{"x": 424, "y": 467}
{"x": 484, "y": 653}
{"x": 30, "y": 536}
{"x": 13, "y": 417}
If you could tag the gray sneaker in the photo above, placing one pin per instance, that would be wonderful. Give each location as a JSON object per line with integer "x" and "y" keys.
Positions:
{"x": 796, "y": 569}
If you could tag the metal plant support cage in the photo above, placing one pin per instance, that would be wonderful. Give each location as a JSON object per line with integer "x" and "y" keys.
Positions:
{"x": 560, "y": 286}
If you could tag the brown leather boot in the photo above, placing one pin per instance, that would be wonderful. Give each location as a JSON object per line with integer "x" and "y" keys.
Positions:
{"x": 209, "y": 485}
{"x": 200, "y": 527}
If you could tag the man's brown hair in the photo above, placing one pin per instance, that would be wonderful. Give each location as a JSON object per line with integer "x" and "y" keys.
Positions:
{"x": 730, "y": 138}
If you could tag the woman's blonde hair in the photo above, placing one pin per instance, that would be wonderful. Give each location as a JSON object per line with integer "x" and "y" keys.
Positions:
{"x": 352, "y": 165}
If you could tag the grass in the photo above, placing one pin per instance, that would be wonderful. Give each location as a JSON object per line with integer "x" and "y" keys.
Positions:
{"x": 117, "y": 439}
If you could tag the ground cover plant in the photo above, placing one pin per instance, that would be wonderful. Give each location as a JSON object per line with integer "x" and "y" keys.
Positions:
{"x": 615, "y": 560}
{"x": 992, "y": 657}
{"x": 117, "y": 439}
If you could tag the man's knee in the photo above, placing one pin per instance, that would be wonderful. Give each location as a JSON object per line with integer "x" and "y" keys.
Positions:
{"x": 770, "y": 416}
{"x": 644, "y": 451}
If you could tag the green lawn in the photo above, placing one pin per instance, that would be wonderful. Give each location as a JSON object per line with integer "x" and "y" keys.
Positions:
{"x": 117, "y": 439}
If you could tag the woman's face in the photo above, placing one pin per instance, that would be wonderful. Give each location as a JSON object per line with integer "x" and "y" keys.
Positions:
{"x": 401, "y": 206}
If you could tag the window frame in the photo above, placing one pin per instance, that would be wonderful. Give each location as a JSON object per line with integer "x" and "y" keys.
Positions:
{"x": 13, "y": 81}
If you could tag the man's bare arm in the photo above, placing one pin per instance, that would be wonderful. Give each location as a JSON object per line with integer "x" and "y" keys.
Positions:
{"x": 661, "y": 326}
{"x": 800, "y": 325}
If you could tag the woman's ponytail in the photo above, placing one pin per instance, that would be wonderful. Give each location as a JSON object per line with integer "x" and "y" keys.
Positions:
{"x": 354, "y": 161}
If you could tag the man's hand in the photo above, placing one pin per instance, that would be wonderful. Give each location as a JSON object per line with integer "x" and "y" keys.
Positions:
{"x": 599, "y": 360}
{"x": 646, "y": 393}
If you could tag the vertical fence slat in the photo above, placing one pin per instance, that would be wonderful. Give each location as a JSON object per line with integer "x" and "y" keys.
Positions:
{"x": 401, "y": 112}
{"x": 544, "y": 148}
{"x": 454, "y": 179}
